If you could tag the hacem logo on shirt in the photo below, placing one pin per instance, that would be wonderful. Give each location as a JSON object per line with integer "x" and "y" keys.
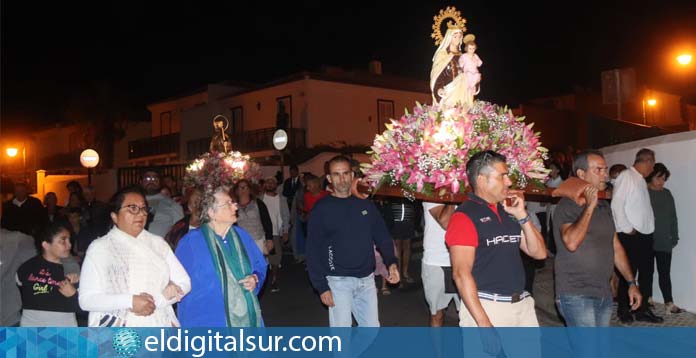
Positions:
{"x": 504, "y": 239}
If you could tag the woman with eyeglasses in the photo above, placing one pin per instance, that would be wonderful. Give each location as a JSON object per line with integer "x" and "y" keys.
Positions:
{"x": 130, "y": 277}
{"x": 227, "y": 268}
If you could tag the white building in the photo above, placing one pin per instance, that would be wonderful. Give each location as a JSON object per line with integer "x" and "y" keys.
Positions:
{"x": 334, "y": 107}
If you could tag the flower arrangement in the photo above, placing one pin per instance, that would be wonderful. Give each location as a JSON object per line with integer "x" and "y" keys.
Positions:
{"x": 212, "y": 170}
{"x": 426, "y": 151}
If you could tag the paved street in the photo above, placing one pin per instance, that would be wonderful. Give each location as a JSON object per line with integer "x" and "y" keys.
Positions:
{"x": 297, "y": 305}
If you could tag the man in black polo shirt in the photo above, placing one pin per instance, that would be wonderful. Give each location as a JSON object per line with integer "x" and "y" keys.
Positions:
{"x": 485, "y": 236}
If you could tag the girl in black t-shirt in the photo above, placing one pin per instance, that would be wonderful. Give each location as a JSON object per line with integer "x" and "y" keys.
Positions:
{"x": 49, "y": 297}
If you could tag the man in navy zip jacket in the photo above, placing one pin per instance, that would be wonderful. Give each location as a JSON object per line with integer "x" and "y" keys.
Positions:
{"x": 340, "y": 256}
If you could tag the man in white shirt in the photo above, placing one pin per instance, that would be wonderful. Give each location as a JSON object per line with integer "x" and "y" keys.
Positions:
{"x": 165, "y": 212}
{"x": 635, "y": 223}
{"x": 277, "y": 206}
{"x": 436, "y": 267}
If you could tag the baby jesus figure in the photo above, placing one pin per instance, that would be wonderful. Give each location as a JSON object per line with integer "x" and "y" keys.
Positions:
{"x": 469, "y": 62}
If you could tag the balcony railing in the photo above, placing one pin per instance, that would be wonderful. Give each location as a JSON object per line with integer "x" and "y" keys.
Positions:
{"x": 250, "y": 141}
{"x": 133, "y": 175}
{"x": 147, "y": 147}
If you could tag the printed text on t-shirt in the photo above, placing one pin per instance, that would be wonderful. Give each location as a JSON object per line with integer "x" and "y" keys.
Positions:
{"x": 504, "y": 239}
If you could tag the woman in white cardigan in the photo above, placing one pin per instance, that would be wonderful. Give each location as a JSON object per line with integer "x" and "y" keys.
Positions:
{"x": 130, "y": 277}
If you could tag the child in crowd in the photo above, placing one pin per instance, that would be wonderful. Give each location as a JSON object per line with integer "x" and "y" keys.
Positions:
{"x": 49, "y": 296}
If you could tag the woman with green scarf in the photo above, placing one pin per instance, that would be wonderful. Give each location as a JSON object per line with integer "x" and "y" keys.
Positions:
{"x": 226, "y": 267}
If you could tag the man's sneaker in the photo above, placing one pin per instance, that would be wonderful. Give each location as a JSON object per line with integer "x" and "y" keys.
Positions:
{"x": 625, "y": 317}
{"x": 671, "y": 308}
{"x": 274, "y": 287}
{"x": 646, "y": 315}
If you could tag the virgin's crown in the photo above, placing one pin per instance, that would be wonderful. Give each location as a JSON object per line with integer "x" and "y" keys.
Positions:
{"x": 456, "y": 22}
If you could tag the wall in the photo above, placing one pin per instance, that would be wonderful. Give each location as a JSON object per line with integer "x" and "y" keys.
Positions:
{"x": 690, "y": 113}
{"x": 190, "y": 112}
{"x": 196, "y": 123}
{"x": 105, "y": 184}
{"x": 678, "y": 153}
{"x": 59, "y": 138}
{"x": 174, "y": 106}
{"x": 666, "y": 112}
{"x": 265, "y": 116}
{"x": 133, "y": 131}
{"x": 332, "y": 112}
{"x": 341, "y": 112}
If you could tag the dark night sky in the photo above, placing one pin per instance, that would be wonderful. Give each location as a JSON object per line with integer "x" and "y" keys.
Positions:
{"x": 51, "y": 50}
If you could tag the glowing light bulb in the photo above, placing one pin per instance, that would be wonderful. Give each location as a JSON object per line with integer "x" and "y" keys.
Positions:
{"x": 684, "y": 59}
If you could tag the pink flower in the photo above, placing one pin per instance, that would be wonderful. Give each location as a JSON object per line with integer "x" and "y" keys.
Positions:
{"x": 447, "y": 139}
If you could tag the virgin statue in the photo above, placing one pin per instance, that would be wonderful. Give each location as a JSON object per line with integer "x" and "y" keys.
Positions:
{"x": 454, "y": 78}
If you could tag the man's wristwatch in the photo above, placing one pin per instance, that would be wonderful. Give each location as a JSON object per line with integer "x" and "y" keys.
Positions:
{"x": 633, "y": 283}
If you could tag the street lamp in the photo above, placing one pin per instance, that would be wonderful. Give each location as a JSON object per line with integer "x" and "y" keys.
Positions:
{"x": 652, "y": 102}
{"x": 13, "y": 151}
{"x": 89, "y": 158}
{"x": 684, "y": 59}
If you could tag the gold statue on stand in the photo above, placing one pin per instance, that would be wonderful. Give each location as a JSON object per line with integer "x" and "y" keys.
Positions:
{"x": 220, "y": 143}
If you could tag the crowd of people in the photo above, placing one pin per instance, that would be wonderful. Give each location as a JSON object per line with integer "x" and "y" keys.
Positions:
{"x": 157, "y": 255}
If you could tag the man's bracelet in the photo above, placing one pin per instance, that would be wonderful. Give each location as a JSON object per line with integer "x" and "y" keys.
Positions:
{"x": 632, "y": 283}
{"x": 525, "y": 219}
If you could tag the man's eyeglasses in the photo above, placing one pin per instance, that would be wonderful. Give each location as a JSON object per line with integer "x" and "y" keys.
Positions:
{"x": 150, "y": 178}
{"x": 135, "y": 210}
{"x": 598, "y": 170}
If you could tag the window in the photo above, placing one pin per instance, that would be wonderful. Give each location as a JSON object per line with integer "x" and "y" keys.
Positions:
{"x": 385, "y": 112}
{"x": 237, "y": 125}
{"x": 284, "y": 112}
{"x": 165, "y": 123}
